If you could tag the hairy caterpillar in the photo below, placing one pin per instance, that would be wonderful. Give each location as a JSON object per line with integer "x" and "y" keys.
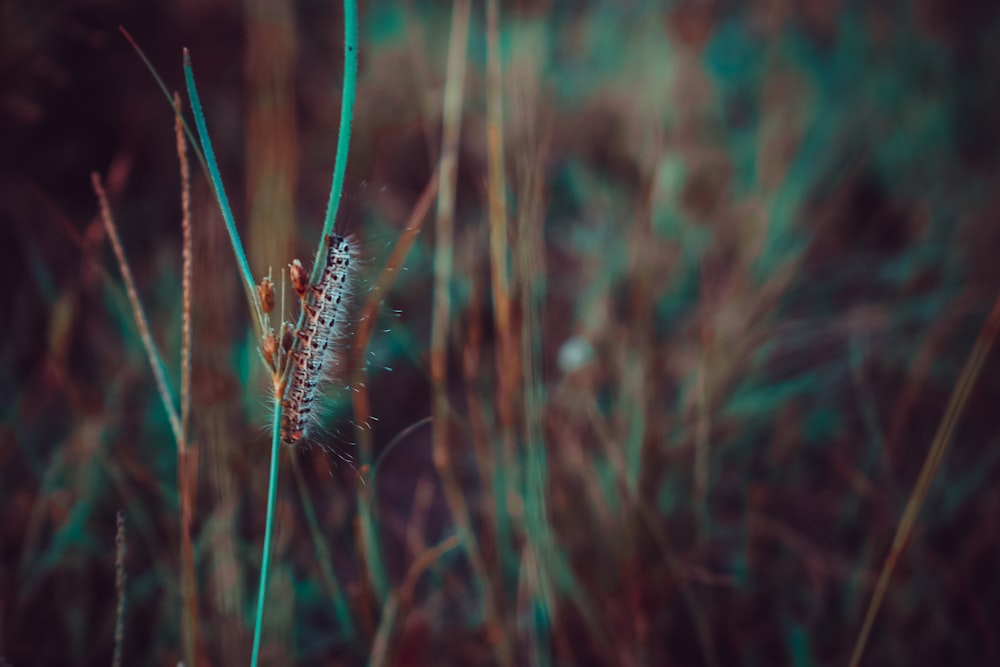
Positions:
{"x": 316, "y": 354}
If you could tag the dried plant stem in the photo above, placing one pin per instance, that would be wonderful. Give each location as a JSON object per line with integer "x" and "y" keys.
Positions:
{"x": 505, "y": 360}
{"x": 178, "y": 424}
{"x": 116, "y": 659}
{"x": 506, "y": 351}
{"x": 444, "y": 233}
{"x": 531, "y": 271}
{"x": 939, "y": 446}
{"x": 398, "y": 606}
{"x": 155, "y": 362}
{"x": 443, "y": 268}
{"x": 186, "y": 260}
{"x": 185, "y": 461}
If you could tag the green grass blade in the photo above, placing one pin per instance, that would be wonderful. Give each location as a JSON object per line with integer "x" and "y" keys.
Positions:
{"x": 265, "y": 559}
{"x": 343, "y": 140}
{"x": 220, "y": 194}
{"x": 344, "y": 135}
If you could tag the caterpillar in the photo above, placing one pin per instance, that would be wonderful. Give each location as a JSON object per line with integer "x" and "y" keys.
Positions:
{"x": 316, "y": 354}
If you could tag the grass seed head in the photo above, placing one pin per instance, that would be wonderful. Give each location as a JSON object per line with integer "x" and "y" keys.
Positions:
{"x": 265, "y": 290}
{"x": 269, "y": 348}
{"x": 300, "y": 278}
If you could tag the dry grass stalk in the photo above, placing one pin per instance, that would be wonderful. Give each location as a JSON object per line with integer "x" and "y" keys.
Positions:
{"x": 939, "y": 446}
{"x": 507, "y": 363}
{"x": 401, "y": 603}
{"x": 441, "y": 318}
{"x": 186, "y": 259}
{"x": 120, "y": 577}
{"x": 141, "y": 322}
{"x": 187, "y": 463}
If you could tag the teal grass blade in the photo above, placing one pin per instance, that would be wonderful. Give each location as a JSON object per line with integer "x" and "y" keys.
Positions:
{"x": 220, "y": 195}
{"x": 344, "y": 135}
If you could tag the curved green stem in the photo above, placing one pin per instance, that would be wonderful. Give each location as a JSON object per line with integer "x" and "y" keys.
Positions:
{"x": 344, "y": 135}
{"x": 343, "y": 142}
{"x": 265, "y": 559}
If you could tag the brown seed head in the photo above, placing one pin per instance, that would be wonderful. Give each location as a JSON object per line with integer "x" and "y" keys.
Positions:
{"x": 300, "y": 279}
{"x": 287, "y": 337}
{"x": 265, "y": 290}
{"x": 269, "y": 348}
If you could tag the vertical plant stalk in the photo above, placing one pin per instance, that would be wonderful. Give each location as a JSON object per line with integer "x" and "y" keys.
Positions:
{"x": 506, "y": 355}
{"x": 185, "y": 460}
{"x": 178, "y": 423}
{"x": 401, "y": 602}
{"x": 641, "y": 434}
{"x": 344, "y": 133}
{"x": 532, "y": 274}
{"x": 142, "y": 324}
{"x": 939, "y": 447}
{"x": 116, "y": 659}
{"x": 506, "y": 362}
{"x": 265, "y": 559}
{"x": 440, "y": 323}
{"x": 702, "y": 430}
{"x": 444, "y": 236}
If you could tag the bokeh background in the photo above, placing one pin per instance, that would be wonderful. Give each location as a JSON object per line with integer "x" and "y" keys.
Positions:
{"x": 751, "y": 245}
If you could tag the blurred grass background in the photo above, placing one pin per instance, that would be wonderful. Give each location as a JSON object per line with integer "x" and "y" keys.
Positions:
{"x": 751, "y": 245}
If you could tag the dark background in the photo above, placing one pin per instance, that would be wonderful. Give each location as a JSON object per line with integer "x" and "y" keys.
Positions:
{"x": 752, "y": 245}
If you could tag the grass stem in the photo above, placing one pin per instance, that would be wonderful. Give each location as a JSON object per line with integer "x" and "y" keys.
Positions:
{"x": 185, "y": 478}
{"x": 939, "y": 446}
{"x": 265, "y": 559}
{"x": 141, "y": 321}
{"x": 440, "y": 323}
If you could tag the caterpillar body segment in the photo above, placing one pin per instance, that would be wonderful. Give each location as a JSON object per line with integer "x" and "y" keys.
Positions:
{"x": 316, "y": 356}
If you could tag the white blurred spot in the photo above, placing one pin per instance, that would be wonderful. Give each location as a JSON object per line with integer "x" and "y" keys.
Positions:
{"x": 574, "y": 354}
